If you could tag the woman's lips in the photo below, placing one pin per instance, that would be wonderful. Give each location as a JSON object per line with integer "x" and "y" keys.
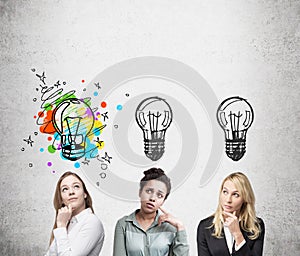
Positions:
{"x": 227, "y": 207}
{"x": 149, "y": 205}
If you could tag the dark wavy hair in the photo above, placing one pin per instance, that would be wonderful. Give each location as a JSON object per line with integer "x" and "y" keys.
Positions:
{"x": 156, "y": 174}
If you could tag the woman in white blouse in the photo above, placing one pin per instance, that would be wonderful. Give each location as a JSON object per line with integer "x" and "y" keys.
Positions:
{"x": 77, "y": 230}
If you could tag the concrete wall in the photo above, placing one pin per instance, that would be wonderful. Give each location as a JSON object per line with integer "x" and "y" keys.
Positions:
{"x": 246, "y": 48}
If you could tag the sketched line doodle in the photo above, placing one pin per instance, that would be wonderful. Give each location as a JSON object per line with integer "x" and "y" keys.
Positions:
{"x": 180, "y": 75}
{"x": 70, "y": 121}
{"x": 29, "y": 141}
{"x": 235, "y": 115}
{"x": 154, "y": 116}
{"x": 73, "y": 119}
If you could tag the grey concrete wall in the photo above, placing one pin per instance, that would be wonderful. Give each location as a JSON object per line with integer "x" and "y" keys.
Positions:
{"x": 246, "y": 48}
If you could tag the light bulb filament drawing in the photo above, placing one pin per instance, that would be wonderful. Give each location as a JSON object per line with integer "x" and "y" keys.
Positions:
{"x": 154, "y": 116}
{"x": 74, "y": 138}
{"x": 73, "y": 119}
{"x": 235, "y": 116}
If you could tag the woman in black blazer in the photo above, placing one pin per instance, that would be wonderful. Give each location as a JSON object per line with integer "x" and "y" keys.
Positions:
{"x": 234, "y": 229}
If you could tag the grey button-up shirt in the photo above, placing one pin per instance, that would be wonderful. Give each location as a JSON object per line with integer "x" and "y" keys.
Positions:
{"x": 164, "y": 240}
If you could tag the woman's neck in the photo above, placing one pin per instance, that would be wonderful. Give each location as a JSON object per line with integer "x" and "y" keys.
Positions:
{"x": 145, "y": 219}
{"x": 146, "y": 216}
{"x": 77, "y": 211}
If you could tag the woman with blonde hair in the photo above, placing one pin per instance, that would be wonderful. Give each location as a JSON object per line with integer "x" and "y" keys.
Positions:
{"x": 77, "y": 230}
{"x": 234, "y": 229}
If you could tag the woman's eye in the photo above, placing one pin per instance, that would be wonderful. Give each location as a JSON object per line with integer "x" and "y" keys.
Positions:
{"x": 236, "y": 194}
{"x": 64, "y": 190}
{"x": 225, "y": 192}
{"x": 160, "y": 196}
{"x": 76, "y": 187}
{"x": 148, "y": 191}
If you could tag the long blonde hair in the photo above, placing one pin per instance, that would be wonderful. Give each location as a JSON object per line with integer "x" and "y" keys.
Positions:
{"x": 58, "y": 202}
{"x": 247, "y": 216}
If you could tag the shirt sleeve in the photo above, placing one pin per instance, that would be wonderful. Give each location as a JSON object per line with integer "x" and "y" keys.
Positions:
{"x": 85, "y": 241}
{"x": 119, "y": 248}
{"x": 254, "y": 247}
{"x": 237, "y": 247}
{"x": 47, "y": 253}
{"x": 180, "y": 245}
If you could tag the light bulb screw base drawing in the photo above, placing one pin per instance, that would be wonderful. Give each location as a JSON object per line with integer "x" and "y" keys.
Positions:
{"x": 70, "y": 149}
{"x": 235, "y": 149}
{"x": 154, "y": 149}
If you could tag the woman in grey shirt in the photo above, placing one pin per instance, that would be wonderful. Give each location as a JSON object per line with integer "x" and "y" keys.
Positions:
{"x": 150, "y": 230}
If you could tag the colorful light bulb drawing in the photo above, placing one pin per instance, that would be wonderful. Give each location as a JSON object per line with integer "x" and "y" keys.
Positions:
{"x": 235, "y": 116}
{"x": 73, "y": 119}
{"x": 154, "y": 116}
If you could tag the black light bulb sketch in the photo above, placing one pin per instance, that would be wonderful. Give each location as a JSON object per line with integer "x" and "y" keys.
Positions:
{"x": 235, "y": 116}
{"x": 154, "y": 116}
{"x": 73, "y": 119}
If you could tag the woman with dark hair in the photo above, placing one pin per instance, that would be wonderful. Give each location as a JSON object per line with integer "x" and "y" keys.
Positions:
{"x": 151, "y": 230}
{"x": 77, "y": 230}
{"x": 234, "y": 229}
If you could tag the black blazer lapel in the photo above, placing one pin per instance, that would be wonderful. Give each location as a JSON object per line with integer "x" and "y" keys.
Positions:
{"x": 218, "y": 246}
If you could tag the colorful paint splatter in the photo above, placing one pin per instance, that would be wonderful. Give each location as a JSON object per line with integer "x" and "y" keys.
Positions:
{"x": 73, "y": 126}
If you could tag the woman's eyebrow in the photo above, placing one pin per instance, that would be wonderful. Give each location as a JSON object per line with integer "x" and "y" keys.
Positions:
{"x": 147, "y": 187}
{"x": 233, "y": 191}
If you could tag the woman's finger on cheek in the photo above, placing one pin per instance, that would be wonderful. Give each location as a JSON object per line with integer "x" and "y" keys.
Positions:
{"x": 159, "y": 220}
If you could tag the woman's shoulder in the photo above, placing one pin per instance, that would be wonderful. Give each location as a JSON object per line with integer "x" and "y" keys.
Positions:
{"x": 90, "y": 220}
{"x": 206, "y": 223}
{"x": 207, "y": 220}
{"x": 125, "y": 218}
{"x": 93, "y": 218}
{"x": 259, "y": 219}
{"x": 260, "y": 222}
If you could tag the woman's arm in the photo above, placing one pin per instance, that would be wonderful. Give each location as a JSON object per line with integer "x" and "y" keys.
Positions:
{"x": 202, "y": 245}
{"x": 253, "y": 247}
{"x": 82, "y": 243}
{"x": 119, "y": 240}
{"x": 180, "y": 245}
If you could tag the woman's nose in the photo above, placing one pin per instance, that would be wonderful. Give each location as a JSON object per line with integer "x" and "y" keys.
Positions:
{"x": 71, "y": 191}
{"x": 152, "y": 198}
{"x": 228, "y": 198}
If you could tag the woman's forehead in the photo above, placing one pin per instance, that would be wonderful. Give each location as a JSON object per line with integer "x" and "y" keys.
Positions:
{"x": 230, "y": 185}
{"x": 156, "y": 184}
{"x": 70, "y": 180}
